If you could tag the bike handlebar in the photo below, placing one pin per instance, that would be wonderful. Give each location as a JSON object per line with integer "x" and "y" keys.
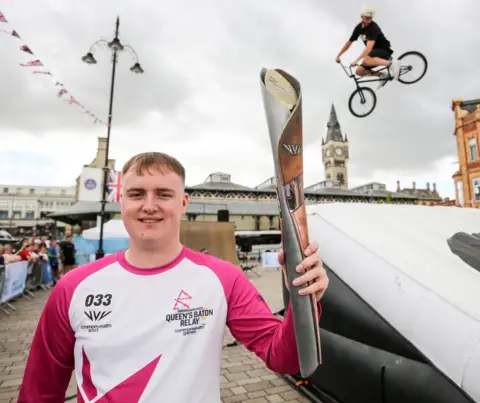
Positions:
{"x": 352, "y": 74}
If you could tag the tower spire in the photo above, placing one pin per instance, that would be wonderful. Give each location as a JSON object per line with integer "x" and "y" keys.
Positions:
{"x": 334, "y": 132}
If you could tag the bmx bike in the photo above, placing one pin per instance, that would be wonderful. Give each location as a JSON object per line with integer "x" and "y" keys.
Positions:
{"x": 367, "y": 97}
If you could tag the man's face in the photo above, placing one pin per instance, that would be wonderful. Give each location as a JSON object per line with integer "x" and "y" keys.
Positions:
{"x": 152, "y": 206}
{"x": 366, "y": 20}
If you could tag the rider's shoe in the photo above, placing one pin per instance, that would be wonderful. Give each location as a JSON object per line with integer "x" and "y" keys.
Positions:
{"x": 395, "y": 69}
{"x": 383, "y": 80}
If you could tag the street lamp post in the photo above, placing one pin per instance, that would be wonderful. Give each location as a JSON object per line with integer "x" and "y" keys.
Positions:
{"x": 116, "y": 46}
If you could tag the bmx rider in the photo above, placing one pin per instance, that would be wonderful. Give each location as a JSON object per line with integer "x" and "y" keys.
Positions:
{"x": 377, "y": 51}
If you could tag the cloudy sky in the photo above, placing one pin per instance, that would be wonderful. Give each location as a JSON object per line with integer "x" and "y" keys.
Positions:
{"x": 200, "y": 100}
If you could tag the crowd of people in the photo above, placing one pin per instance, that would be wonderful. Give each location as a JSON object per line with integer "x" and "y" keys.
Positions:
{"x": 60, "y": 255}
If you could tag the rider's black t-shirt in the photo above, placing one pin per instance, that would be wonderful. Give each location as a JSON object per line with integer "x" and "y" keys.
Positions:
{"x": 372, "y": 32}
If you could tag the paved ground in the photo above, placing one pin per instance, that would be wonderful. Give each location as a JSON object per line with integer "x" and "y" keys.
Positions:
{"x": 244, "y": 376}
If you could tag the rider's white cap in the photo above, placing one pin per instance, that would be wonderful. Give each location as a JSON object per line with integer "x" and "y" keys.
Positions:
{"x": 368, "y": 10}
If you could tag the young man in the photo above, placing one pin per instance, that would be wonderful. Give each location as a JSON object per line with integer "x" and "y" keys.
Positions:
{"x": 377, "y": 51}
{"x": 147, "y": 324}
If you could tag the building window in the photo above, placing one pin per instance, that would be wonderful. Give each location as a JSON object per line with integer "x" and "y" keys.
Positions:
{"x": 476, "y": 189}
{"x": 472, "y": 147}
{"x": 460, "y": 193}
{"x": 30, "y": 215}
{"x": 32, "y": 191}
{"x": 5, "y": 190}
{"x": 3, "y": 214}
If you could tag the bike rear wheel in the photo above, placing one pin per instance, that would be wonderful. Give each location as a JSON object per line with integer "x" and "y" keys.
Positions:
{"x": 367, "y": 99}
{"x": 407, "y": 67}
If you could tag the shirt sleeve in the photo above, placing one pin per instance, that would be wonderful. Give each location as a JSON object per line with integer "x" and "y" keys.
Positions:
{"x": 355, "y": 34}
{"x": 252, "y": 323}
{"x": 51, "y": 359}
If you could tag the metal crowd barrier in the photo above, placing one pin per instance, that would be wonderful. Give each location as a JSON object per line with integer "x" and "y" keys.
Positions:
{"x": 2, "y": 287}
{"x": 34, "y": 279}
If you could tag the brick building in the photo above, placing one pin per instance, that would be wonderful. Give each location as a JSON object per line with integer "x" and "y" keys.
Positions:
{"x": 425, "y": 197}
{"x": 467, "y": 131}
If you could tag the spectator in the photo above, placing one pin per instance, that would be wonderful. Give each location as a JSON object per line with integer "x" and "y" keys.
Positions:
{"x": 9, "y": 256}
{"x": 36, "y": 247}
{"x": 43, "y": 253}
{"x": 53, "y": 259}
{"x": 26, "y": 253}
{"x": 67, "y": 254}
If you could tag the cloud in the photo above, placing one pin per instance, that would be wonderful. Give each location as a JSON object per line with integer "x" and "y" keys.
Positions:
{"x": 200, "y": 95}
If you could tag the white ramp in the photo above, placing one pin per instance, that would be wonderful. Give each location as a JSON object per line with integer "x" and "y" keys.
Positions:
{"x": 396, "y": 257}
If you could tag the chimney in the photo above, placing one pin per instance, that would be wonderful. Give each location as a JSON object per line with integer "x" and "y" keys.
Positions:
{"x": 102, "y": 143}
{"x": 398, "y": 186}
{"x": 428, "y": 186}
{"x": 414, "y": 185}
{"x": 434, "y": 187}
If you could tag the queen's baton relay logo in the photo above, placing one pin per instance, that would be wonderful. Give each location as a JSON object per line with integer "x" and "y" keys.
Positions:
{"x": 90, "y": 184}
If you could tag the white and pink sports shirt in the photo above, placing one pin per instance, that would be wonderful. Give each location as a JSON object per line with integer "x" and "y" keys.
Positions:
{"x": 150, "y": 335}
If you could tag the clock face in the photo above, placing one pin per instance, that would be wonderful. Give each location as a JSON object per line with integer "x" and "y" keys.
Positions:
{"x": 338, "y": 151}
{"x": 329, "y": 152}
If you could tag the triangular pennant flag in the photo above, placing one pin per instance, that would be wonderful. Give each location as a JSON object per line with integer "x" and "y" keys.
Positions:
{"x": 32, "y": 63}
{"x": 59, "y": 83}
{"x": 25, "y": 48}
{"x": 2, "y": 17}
{"x": 61, "y": 92}
{"x": 15, "y": 34}
{"x": 42, "y": 72}
{"x": 72, "y": 100}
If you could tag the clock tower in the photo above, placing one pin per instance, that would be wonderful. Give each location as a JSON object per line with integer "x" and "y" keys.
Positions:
{"x": 335, "y": 153}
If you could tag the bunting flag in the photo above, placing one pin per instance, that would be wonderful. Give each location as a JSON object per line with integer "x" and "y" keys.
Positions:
{"x": 25, "y": 48}
{"x": 72, "y": 100}
{"x": 37, "y": 63}
{"x": 43, "y": 72}
{"x": 61, "y": 92}
{"x": 13, "y": 33}
{"x": 32, "y": 63}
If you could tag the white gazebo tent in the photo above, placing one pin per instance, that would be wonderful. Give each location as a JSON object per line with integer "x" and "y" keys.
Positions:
{"x": 111, "y": 229}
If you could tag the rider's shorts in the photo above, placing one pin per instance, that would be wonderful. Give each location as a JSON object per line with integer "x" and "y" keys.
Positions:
{"x": 381, "y": 53}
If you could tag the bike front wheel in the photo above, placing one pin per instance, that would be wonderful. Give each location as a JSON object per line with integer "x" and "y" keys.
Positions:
{"x": 362, "y": 102}
{"x": 413, "y": 66}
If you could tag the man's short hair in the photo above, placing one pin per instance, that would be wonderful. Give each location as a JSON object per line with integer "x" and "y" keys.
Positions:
{"x": 143, "y": 161}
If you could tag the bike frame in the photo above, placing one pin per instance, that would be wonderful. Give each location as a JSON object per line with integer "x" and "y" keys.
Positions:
{"x": 365, "y": 79}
